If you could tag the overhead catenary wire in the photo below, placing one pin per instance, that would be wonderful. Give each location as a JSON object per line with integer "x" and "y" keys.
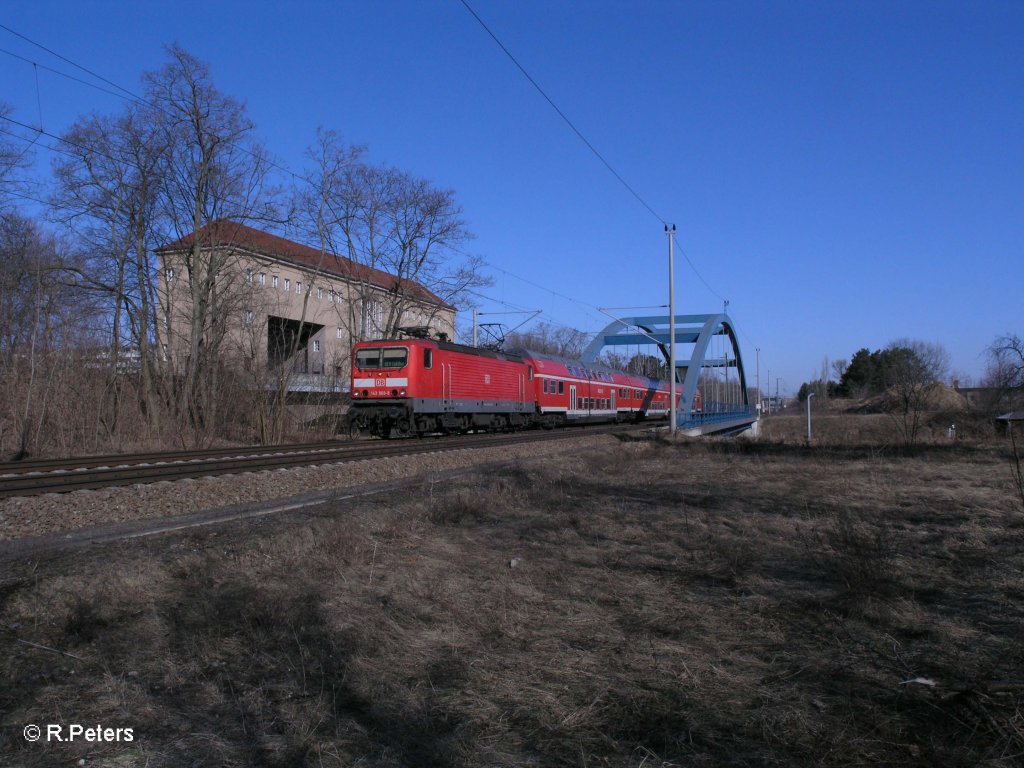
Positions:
{"x": 125, "y": 93}
{"x": 561, "y": 114}
{"x": 572, "y": 126}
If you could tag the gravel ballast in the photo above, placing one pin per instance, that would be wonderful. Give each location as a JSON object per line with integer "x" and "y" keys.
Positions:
{"x": 22, "y": 517}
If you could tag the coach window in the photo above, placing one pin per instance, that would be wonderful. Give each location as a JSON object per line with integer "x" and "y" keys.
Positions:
{"x": 529, "y": 372}
{"x": 428, "y": 358}
{"x": 545, "y": 386}
{"x": 561, "y": 387}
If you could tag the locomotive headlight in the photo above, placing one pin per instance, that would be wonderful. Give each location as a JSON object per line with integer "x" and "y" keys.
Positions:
{"x": 402, "y": 393}
{"x": 355, "y": 393}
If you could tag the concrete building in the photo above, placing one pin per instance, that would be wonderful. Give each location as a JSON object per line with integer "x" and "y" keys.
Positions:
{"x": 283, "y": 308}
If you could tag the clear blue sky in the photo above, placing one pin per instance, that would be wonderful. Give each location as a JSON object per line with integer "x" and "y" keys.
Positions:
{"x": 843, "y": 173}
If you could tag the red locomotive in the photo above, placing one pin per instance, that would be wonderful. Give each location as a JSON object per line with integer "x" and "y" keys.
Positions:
{"x": 421, "y": 386}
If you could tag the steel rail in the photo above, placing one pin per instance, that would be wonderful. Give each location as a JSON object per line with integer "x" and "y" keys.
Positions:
{"x": 63, "y": 481}
{"x": 127, "y": 459}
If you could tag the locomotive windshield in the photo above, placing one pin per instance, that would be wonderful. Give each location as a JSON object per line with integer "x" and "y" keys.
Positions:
{"x": 382, "y": 357}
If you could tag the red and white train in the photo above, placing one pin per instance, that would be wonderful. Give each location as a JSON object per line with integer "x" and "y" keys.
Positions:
{"x": 420, "y": 386}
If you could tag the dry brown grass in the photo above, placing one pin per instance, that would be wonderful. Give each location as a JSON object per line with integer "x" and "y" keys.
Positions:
{"x": 704, "y": 603}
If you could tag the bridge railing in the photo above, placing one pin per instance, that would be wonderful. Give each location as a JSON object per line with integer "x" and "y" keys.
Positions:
{"x": 717, "y": 416}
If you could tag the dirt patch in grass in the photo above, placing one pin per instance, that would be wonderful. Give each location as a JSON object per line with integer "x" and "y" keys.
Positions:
{"x": 642, "y": 604}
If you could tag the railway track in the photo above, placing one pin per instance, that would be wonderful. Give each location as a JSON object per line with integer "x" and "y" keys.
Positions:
{"x": 65, "y": 475}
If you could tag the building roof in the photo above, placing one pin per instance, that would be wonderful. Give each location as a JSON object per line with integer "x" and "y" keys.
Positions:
{"x": 226, "y": 233}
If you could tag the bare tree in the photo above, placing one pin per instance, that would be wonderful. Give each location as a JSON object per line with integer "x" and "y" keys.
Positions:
{"x": 551, "y": 339}
{"x": 13, "y": 158}
{"x": 839, "y": 369}
{"x": 914, "y": 370}
{"x": 40, "y": 322}
{"x": 1005, "y": 372}
{"x": 214, "y": 171}
{"x": 392, "y": 236}
{"x": 106, "y": 191}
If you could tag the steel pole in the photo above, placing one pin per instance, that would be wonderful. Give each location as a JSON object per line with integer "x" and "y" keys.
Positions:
{"x": 758, "y": 350}
{"x": 671, "y": 331}
{"x": 809, "y": 396}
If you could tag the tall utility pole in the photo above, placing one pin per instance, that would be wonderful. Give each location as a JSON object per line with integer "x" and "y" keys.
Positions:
{"x": 758, "y": 350}
{"x": 769, "y": 391}
{"x": 671, "y": 331}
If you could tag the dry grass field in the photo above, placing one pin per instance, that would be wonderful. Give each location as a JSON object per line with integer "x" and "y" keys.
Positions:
{"x": 705, "y": 603}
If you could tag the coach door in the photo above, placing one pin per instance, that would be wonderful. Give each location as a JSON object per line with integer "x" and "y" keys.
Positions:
{"x": 572, "y": 398}
{"x": 446, "y": 386}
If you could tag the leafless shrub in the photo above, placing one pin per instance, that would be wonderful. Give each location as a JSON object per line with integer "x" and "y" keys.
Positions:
{"x": 1015, "y": 469}
{"x": 462, "y": 508}
{"x": 858, "y": 552}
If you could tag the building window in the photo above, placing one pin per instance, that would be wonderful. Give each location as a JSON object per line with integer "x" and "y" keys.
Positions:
{"x": 170, "y": 274}
{"x": 330, "y": 296}
{"x": 340, "y": 334}
{"x": 248, "y": 275}
{"x": 316, "y": 345}
{"x": 371, "y": 318}
{"x": 298, "y": 286}
{"x": 287, "y": 284}
{"x": 263, "y": 278}
{"x": 319, "y": 292}
{"x": 248, "y": 317}
{"x": 274, "y": 281}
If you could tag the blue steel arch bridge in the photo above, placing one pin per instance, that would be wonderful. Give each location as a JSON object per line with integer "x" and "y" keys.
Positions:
{"x": 711, "y": 381}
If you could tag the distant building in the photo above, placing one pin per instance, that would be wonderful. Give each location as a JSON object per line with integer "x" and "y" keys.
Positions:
{"x": 287, "y": 307}
{"x": 991, "y": 399}
{"x": 1011, "y": 421}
